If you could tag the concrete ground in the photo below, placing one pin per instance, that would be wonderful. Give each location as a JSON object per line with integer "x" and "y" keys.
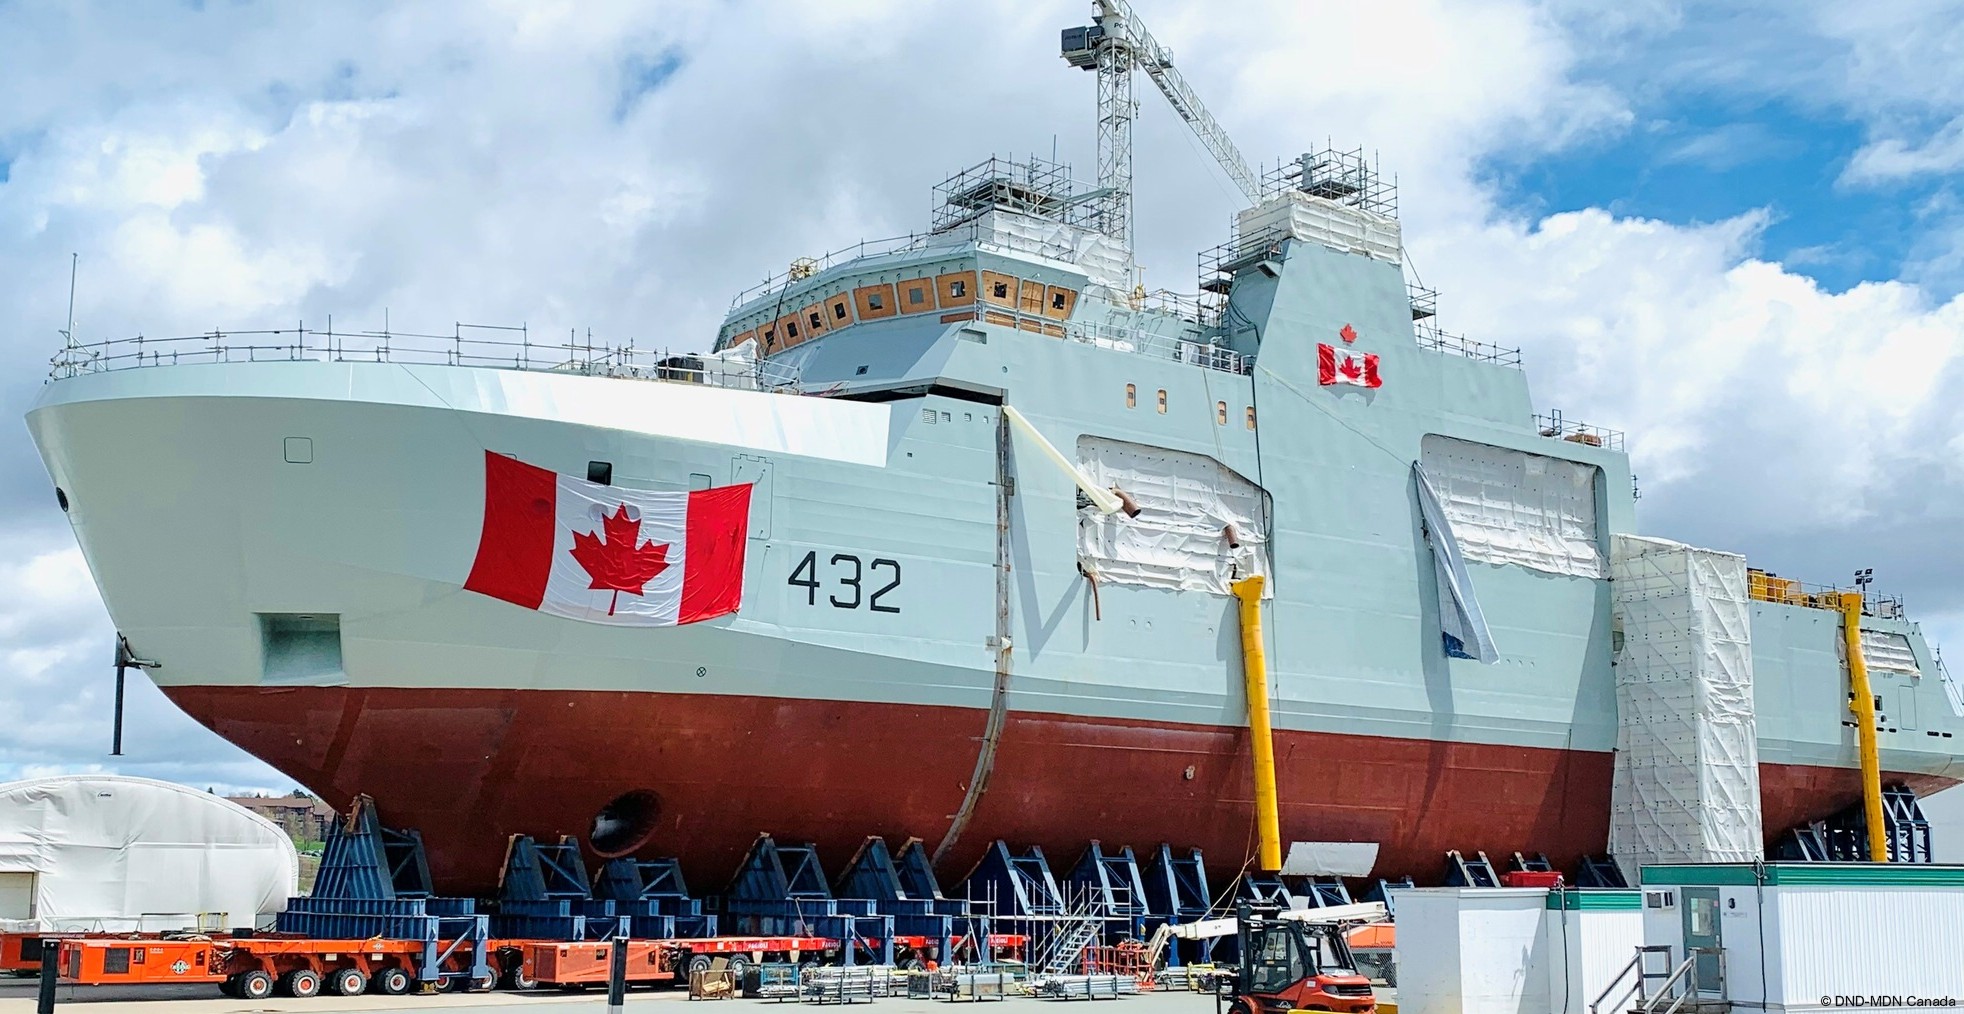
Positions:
{"x": 17, "y": 996}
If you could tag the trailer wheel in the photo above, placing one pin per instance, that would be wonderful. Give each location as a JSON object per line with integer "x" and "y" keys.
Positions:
{"x": 392, "y": 981}
{"x": 255, "y": 985}
{"x": 516, "y": 979}
{"x": 739, "y": 964}
{"x": 230, "y": 987}
{"x": 348, "y": 982}
{"x": 301, "y": 982}
{"x": 698, "y": 963}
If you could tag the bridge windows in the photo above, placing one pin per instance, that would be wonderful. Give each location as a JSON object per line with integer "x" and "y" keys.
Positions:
{"x": 1162, "y": 401}
{"x": 1131, "y": 396}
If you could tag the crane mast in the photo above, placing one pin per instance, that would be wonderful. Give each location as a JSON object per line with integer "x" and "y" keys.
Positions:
{"x": 1113, "y": 46}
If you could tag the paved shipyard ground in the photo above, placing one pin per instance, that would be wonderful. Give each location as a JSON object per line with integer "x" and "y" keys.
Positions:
{"x": 17, "y": 996}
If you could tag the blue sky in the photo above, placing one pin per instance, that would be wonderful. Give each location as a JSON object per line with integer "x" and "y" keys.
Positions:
{"x": 1702, "y": 161}
{"x": 1731, "y": 229}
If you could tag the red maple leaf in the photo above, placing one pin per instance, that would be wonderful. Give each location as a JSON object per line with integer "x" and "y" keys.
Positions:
{"x": 1351, "y": 367}
{"x": 1348, "y": 333}
{"x": 613, "y": 561}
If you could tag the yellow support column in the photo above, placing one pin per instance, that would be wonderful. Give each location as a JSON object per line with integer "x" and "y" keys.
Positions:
{"x": 1268, "y": 824}
{"x": 1863, "y": 705}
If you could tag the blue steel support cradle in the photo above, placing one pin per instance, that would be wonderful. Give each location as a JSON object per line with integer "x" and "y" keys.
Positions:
{"x": 918, "y": 912}
{"x": 1018, "y": 886}
{"x": 1381, "y": 892}
{"x": 1115, "y": 886}
{"x": 1600, "y": 871}
{"x": 653, "y": 893}
{"x": 780, "y": 890}
{"x": 1176, "y": 894}
{"x": 374, "y": 881}
{"x": 363, "y": 859}
{"x": 1324, "y": 892}
{"x": 544, "y": 894}
{"x": 1464, "y": 872}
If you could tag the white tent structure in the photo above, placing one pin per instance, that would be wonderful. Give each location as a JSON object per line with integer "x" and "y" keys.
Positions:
{"x": 107, "y": 852}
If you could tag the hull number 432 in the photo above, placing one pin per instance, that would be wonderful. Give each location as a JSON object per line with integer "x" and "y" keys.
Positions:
{"x": 849, "y": 583}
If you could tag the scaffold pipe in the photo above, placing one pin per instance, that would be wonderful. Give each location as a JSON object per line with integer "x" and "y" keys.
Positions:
{"x": 1862, "y": 703}
{"x": 1254, "y": 662}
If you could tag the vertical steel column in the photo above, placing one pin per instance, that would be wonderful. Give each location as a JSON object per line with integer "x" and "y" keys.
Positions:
{"x": 50, "y": 975}
{"x": 617, "y": 976}
{"x": 1254, "y": 662}
{"x": 1863, "y": 705}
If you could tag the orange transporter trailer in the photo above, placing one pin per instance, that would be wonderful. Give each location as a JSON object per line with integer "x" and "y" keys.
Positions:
{"x": 254, "y": 968}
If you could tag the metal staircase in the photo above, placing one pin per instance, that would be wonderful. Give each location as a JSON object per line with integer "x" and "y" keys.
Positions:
{"x": 1062, "y": 952}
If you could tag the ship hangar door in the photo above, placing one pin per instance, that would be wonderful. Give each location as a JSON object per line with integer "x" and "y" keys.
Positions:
{"x": 756, "y": 471}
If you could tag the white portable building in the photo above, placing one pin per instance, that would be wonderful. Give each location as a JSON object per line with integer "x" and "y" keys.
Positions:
{"x": 1810, "y": 936}
{"x": 113, "y": 853}
{"x": 1508, "y": 950}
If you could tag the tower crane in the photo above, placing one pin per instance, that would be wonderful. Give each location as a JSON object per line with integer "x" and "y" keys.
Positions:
{"x": 1114, "y": 45}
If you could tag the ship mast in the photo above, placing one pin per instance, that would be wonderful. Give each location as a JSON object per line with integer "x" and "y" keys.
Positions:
{"x": 1113, "y": 46}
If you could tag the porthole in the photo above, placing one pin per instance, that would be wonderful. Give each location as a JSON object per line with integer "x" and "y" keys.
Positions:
{"x": 1251, "y": 417}
{"x": 1220, "y": 413}
{"x": 1131, "y": 396}
{"x": 1162, "y": 401}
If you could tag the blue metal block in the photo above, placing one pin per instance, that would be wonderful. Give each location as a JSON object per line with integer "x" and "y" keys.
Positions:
{"x": 776, "y": 873}
{"x": 536, "y": 872}
{"x": 1017, "y": 885}
{"x": 1113, "y": 880}
{"x": 1176, "y": 886}
{"x": 363, "y": 859}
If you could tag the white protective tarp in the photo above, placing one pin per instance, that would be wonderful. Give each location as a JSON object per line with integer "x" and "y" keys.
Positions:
{"x": 1461, "y": 623}
{"x": 1889, "y": 653}
{"x": 1300, "y": 216}
{"x": 1686, "y": 782}
{"x": 1185, "y": 502}
{"x": 112, "y": 853}
{"x": 1103, "y": 260}
{"x": 1509, "y": 506}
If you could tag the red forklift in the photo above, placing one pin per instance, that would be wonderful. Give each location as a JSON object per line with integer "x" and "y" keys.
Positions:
{"x": 1293, "y": 964}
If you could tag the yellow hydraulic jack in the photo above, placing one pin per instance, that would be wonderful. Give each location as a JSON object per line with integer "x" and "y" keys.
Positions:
{"x": 1862, "y": 703}
{"x": 1268, "y": 824}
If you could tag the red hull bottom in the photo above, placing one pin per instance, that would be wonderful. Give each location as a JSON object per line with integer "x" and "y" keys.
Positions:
{"x": 470, "y": 768}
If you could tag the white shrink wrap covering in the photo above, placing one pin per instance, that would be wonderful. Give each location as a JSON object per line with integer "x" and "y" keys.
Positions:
{"x": 1103, "y": 260}
{"x": 112, "y": 853}
{"x": 1185, "y": 501}
{"x": 1297, "y": 215}
{"x": 1686, "y": 783}
{"x": 1507, "y": 506}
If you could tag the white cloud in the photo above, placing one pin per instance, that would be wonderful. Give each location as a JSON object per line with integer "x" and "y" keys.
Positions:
{"x": 1895, "y": 158}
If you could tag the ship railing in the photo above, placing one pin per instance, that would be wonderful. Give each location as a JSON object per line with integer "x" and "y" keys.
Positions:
{"x": 478, "y": 345}
{"x": 1159, "y": 346}
{"x": 1460, "y": 345}
{"x": 1766, "y": 586}
{"x": 805, "y": 267}
{"x": 1555, "y": 427}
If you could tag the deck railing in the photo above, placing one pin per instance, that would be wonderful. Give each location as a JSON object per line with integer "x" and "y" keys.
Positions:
{"x": 510, "y": 348}
{"x": 1554, "y": 426}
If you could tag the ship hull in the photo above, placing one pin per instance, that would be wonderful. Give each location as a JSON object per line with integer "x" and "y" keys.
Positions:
{"x": 472, "y": 767}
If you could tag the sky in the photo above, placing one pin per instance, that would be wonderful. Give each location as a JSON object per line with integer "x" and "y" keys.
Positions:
{"x": 1733, "y": 230}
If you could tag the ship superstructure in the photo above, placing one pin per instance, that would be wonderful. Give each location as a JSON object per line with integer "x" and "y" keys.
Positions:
{"x": 943, "y": 632}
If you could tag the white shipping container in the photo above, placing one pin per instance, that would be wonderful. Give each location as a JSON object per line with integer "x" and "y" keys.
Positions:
{"x": 1818, "y": 936}
{"x": 1472, "y": 950}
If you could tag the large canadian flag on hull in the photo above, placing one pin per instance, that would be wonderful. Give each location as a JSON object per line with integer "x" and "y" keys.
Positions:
{"x": 605, "y": 554}
{"x": 1336, "y": 365}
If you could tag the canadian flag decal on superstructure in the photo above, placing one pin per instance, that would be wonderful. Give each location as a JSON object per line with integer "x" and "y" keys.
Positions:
{"x": 1346, "y": 366}
{"x": 606, "y": 554}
